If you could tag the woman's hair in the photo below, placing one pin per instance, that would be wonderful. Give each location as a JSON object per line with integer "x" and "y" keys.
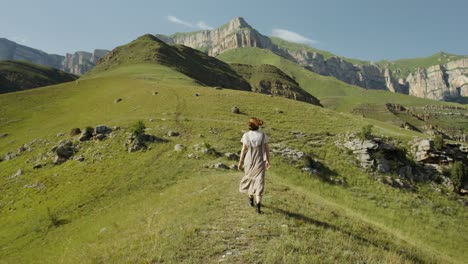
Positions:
{"x": 255, "y": 123}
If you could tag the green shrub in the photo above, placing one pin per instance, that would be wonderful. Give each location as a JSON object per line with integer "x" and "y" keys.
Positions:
{"x": 138, "y": 128}
{"x": 366, "y": 132}
{"x": 459, "y": 174}
{"x": 438, "y": 142}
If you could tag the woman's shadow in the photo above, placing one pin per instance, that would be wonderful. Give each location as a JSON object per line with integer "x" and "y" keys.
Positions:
{"x": 385, "y": 245}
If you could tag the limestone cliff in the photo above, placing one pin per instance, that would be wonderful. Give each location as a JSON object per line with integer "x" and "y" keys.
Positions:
{"x": 77, "y": 63}
{"x": 235, "y": 34}
{"x": 440, "y": 82}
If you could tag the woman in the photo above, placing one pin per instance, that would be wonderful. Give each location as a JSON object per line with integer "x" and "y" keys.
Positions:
{"x": 254, "y": 158}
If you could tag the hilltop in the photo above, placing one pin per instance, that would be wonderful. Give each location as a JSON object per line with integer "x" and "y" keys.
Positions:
{"x": 205, "y": 69}
{"x": 20, "y": 75}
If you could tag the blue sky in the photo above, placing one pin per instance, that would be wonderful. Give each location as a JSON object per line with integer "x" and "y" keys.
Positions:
{"x": 362, "y": 29}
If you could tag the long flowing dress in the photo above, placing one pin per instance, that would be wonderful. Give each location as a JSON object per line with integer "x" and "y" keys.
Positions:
{"x": 253, "y": 182}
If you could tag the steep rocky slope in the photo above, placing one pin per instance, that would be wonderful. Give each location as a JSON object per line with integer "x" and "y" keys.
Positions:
{"x": 19, "y": 75}
{"x": 77, "y": 63}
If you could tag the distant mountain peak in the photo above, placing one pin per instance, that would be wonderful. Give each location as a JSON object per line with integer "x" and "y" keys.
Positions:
{"x": 239, "y": 22}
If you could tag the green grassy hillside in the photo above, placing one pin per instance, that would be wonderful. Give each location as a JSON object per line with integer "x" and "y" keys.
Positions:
{"x": 270, "y": 80}
{"x": 343, "y": 97}
{"x": 20, "y": 75}
{"x": 193, "y": 63}
{"x": 163, "y": 206}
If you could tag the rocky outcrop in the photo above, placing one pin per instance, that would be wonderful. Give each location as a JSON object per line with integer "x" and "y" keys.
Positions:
{"x": 77, "y": 63}
{"x": 235, "y": 34}
{"x": 81, "y": 62}
{"x": 440, "y": 82}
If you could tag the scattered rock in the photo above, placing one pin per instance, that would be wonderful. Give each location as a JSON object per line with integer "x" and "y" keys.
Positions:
{"x": 235, "y": 110}
{"x": 155, "y": 93}
{"x": 218, "y": 88}
{"x": 17, "y": 174}
{"x": 86, "y": 135}
{"x": 58, "y": 160}
{"x": 197, "y": 94}
{"x": 288, "y": 153}
{"x": 279, "y": 111}
{"x": 310, "y": 170}
{"x": 37, "y": 166}
{"x": 179, "y": 147}
{"x": 118, "y": 100}
{"x": 171, "y": 133}
{"x": 75, "y": 131}
{"x": 80, "y": 158}
{"x": 9, "y": 156}
{"x": 37, "y": 185}
{"x": 64, "y": 151}
{"x": 233, "y": 166}
{"x": 22, "y": 148}
{"x": 219, "y": 166}
{"x": 135, "y": 143}
{"x": 193, "y": 156}
{"x": 151, "y": 119}
{"x": 102, "y": 129}
{"x": 231, "y": 156}
{"x": 3, "y": 135}
{"x": 100, "y": 137}
{"x": 60, "y": 134}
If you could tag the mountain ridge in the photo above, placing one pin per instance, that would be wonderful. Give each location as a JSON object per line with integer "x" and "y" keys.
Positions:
{"x": 238, "y": 34}
{"x": 76, "y": 63}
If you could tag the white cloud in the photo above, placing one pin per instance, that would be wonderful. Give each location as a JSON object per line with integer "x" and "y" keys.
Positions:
{"x": 174, "y": 19}
{"x": 292, "y": 36}
{"x": 204, "y": 26}
{"x": 200, "y": 24}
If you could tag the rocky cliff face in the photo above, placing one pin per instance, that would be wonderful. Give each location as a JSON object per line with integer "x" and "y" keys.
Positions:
{"x": 81, "y": 62}
{"x": 77, "y": 63}
{"x": 235, "y": 34}
{"x": 440, "y": 82}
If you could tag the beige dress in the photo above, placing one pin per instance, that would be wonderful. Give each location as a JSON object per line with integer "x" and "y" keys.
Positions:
{"x": 253, "y": 182}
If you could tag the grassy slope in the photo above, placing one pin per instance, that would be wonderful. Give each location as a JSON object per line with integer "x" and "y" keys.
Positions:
{"x": 271, "y": 80}
{"x": 160, "y": 206}
{"x": 20, "y": 75}
{"x": 195, "y": 64}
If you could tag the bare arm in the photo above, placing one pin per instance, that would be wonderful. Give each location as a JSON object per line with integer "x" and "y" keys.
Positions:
{"x": 267, "y": 152}
{"x": 242, "y": 156}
